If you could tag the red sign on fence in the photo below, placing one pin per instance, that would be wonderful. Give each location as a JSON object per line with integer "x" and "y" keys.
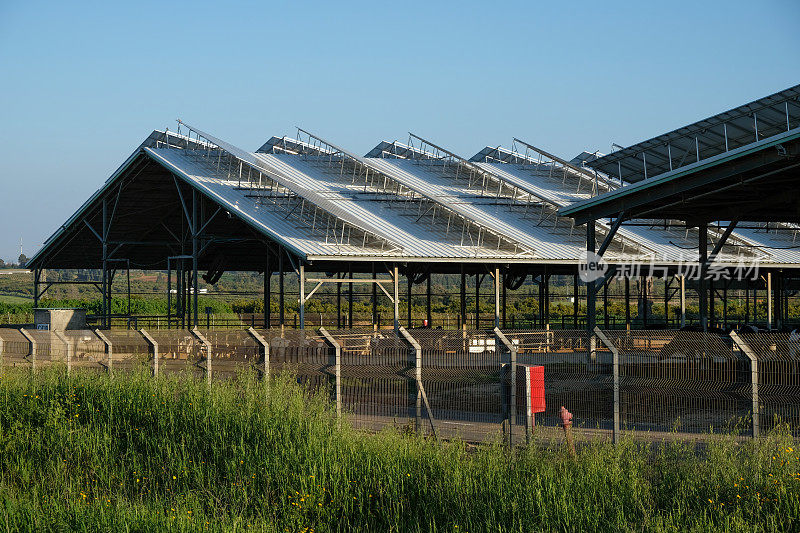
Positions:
{"x": 534, "y": 385}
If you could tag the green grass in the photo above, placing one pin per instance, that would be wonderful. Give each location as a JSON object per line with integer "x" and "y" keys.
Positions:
{"x": 133, "y": 453}
{"x": 14, "y": 300}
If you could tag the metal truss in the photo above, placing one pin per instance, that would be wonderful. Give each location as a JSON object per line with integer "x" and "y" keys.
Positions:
{"x": 531, "y": 206}
{"x": 287, "y": 145}
{"x": 573, "y": 177}
{"x": 442, "y": 221}
{"x": 318, "y": 217}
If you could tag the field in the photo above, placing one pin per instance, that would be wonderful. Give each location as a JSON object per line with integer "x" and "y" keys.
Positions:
{"x": 95, "y": 453}
{"x": 14, "y": 300}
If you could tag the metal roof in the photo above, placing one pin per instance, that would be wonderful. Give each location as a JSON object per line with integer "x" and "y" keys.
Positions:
{"x": 409, "y": 203}
{"x": 699, "y": 141}
{"x": 562, "y": 184}
{"x": 709, "y": 175}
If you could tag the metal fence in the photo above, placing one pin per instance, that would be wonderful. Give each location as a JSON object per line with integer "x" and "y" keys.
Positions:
{"x": 475, "y": 384}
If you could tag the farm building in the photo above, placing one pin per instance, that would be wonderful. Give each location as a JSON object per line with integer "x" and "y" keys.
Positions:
{"x": 722, "y": 191}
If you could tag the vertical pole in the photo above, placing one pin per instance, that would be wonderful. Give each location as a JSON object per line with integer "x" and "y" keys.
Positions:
{"x": 591, "y": 293}
{"x": 779, "y": 301}
{"x": 267, "y": 291}
{"x": 667, "y": 285}
{"x": 109, "y": 350}
{"x": 195, "y": 251}
{"x": 712, "y": 304}
{"x": 769, "y": 300}
{"x": 374, "y": 297}
{"x": 463, "y": 306}
{"x": 337, "y": 365}
{"x": 152, "y": 342}
{"x": 755, "y": 304}
{"x": 350, "y": 298}
{"x": 540, "y": 294}
{"x": 265, "y": 346}
{"x": 725, "y": 307}
{"x": 683, "y": 301}
{"x": 302, "y": 282}
{"x": 37, "y": 272}
{"x": 477, "y": 300}
{"x": 104, "y": 284}
{"x": 409, "y": 285}
{"x": 204, "y": 341}
{"x": 546, "y": 278}
{"x": 496, "y": 297}
{"x": 32, "y": 348}
{"x": 281, "y": 289}
{"x": 339, "y": 302}
{"x": 504, "y": 299}
{"x": 429, "y": 313}
{"x": 615, "y": 371}
{"x": 746, "y": 304}
{"x": 605, "y": 305}
{"x": 396, "y": 276}
{"x": 703, "y": 249}
{"x": 575, "y": 303}
{"x": 754, "y": 380}
{"x": 501, "y": 339}
{"x": 645, "y": 301}
{"x": 627, "y": 303}
{"x": 169, "y": 293}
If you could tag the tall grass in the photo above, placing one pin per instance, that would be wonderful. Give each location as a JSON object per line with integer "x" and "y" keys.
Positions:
{"x": 134, "y": 453}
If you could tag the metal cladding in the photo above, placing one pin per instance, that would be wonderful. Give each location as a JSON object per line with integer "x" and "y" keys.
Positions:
{"x": 414, "y": 203}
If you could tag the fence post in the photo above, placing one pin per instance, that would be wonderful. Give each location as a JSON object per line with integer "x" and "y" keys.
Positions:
{"x": 512, "y": 411}
{"x": 337, "y": 369}
{"x": 153, "y": 344}
{"x": 32, "y": 343}
{"x": 421, "y": 395}
{"x": 2, "y": 348}
{"x": 67, "y": 347}
{"x": 109, "y": 349}
{"x": 264, "y": 344}
{"x": 745, "y": 348}
{"x": 615, "y": 365}
{"x": 202, "y": 339}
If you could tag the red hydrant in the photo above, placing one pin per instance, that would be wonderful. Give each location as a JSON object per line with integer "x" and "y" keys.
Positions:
{"x": 566, "y": 420}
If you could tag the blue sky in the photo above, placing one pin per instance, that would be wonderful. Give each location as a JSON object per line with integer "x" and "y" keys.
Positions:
{"x": 82, "y": 83}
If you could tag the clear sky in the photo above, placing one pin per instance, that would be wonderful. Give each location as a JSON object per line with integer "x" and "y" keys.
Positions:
{"x": 83, "y": 83}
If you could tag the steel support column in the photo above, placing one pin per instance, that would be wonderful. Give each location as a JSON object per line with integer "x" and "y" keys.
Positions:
{"x": 703, "y": 294}
{"x": 769, "y": 300}
{"x": 409, "y": 285}
{"x": 627, "y": 303}
{"x": 575, "y": 304}
{"x": 683, "y": 301}
{"x": 496, "y": 297}
{"x": 463, "y": 294}
{"x": 477, "y": 300}
{"x": 281, "y": 289}
{"x": 350, "y": 297}
{"x": 396, "y": 278}
{"x": 428, "y": 311}
{"x": 301, "y": 279}
{"x": 267, "y": 291}
{"x": 591, "y": 293}
{"x": 374, "y": 297}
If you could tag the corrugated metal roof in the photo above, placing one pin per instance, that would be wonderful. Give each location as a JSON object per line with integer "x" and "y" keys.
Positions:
{"x": 415, "y": 218}
{"x": 563, "y": 187}
{"x": 388, "y": 215}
